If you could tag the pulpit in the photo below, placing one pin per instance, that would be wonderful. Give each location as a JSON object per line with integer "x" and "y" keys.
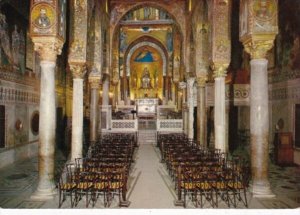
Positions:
{"x": 284, "y": 152}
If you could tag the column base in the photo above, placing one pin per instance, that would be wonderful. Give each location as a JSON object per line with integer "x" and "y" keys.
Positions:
{"x": 124, "y": 203}
{"x": 43, "y": 194}
{"x": 261, "y": 190}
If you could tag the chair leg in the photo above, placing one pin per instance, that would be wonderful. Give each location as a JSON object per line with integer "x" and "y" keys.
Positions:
{"x": 201, "y": 200}
{"x": 93, "y": 197}
{"x": 59, "y": 199}
{"x": 196, "y": 199}
{"x": 105, "y": 198}
{"x": 234, "y": 199}
{"x": 227, "y": 199}
{"x": 216, "y": 203}
{"x": 86, "y": 199}
{"x": 245, "y": 194}
{"x": 71, "y": 198}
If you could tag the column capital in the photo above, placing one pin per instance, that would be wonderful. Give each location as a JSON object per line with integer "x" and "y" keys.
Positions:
{"x": 219, "y": 69}
{"x": 78, "y": 70}
{"x": 95, "y": 82}
{"x": 201, "y": 81}
{"x": 258, "y": 48}
{"x": 47, "y": 47}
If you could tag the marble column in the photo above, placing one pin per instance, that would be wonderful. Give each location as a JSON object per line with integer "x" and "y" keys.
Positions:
{"x": 166, "y": 78}
{"x": 170, "y": 89}
{"x": 179, "y": 100}
{"x": 259, "y": 128}
{"x": 105, "y": 91}
{"x": 47, "y": 125}
{"x": 227, "y": 109}
{"x": 176, "y": 94}
{"x": 78, "y": 72}
{"x": 47, "y": 122}
{"x": 94, "y": 113}
{"x": 119, "y": 92}
{"x": 219, "y": 111}
{"x": 184, "y": 110}
{"x": 190, "y": 90}
{"x": 201, "y": 111}
{"x": 124, "y": 79}
{"x": 185, "y": 119}
{"x": 173, "y": 94}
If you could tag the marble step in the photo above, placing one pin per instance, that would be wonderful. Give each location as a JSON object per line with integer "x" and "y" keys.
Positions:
{"x": 146, "y": 137}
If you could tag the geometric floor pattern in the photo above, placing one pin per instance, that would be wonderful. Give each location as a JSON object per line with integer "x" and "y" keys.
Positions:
{"x": 148, "y": 180}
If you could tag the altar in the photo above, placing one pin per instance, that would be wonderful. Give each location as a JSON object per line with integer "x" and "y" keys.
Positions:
{"x": 146, "y": 107}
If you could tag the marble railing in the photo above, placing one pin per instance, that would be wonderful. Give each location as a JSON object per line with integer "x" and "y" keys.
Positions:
{"x": 124, "y": 125}
{"x": 172, "y": 125}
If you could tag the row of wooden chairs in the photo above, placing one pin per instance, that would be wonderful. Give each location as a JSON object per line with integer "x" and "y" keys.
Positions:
{"x": 102, "y": 173}
{"x": 205, "y": 175}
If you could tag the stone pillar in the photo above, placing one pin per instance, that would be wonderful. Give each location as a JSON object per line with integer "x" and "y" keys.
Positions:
{"x": 47, "y": 123}
{"x": 201, "y": 111}
{"x": 166, "y": 78}
{"x": 185, "y": 119}
{"x": 179, "y": 100}
{"x": 105, "y": 91}
{"x": 119, "y": 93}
{"x": 227, "y": 109}
{"x": 190, "y": 90}
{"x": 184, "y": 107}
{"x": 78, "y": 71}
{"x": 94, "y": 112}
{"x": 176, "y": 94}
{"x": 259, "y": 128}
{"x": 219, "y": 111}
{"x": 125, "y": 84}
{"x": 257, "y": 36}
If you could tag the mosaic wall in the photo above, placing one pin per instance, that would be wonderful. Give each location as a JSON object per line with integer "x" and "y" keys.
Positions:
{"x": 19, "y": 82}
{"x": 285, "y": 57}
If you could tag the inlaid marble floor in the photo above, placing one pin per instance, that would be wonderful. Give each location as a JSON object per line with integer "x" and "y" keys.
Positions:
{"x": 149, "y": 185}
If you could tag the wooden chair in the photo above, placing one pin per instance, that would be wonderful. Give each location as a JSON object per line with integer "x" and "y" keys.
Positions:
{"x": 84, "y": 186}
{"x": 66, "y": 187}
{"x": 238, "y": 187}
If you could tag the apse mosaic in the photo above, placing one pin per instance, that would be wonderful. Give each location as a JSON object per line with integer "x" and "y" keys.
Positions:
{"x": 146, "y": 77}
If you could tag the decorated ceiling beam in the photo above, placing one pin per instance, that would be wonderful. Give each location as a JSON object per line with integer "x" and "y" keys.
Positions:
{"x": 78, "y": 41}
{"x": 258, "y": 26}
{"x": 220, "y": 35}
